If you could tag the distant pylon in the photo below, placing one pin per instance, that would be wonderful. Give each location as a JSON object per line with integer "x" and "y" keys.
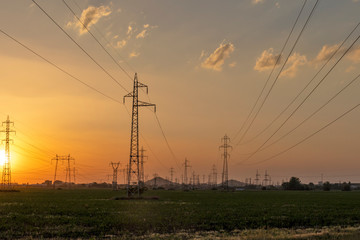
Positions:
{"x": 225, "y": 174}
{"x": 66, "y": 158}
{"x": 186, "y": 166}
{"x": 115, "y": 167}
{"x": 171, "y": 175}
{"x": 133, "y": 181}
{"x": 257, "y": 177}
{"x": 6, "y": 174}
{"x": 214, "y": 176}
{"x": 142, "y": 171}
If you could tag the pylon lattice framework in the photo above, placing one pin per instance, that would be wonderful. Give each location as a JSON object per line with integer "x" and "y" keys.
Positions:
{"x": 133, "y": 181}
{"x": 6, "y": 174}
{"x": 225, "y": 155}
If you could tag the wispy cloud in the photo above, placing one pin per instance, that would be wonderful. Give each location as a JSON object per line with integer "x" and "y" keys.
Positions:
{"x": 325, "y": 53}
{"x": 354, "y": 55}
{"x": 267, "y": 60}
{"x": 134, "y": 54}
{"x": 129, "y": 31}
{"x": 233, "y": 64}
{"x": 257, "y": 1}
{"x": 121, "y": 44}
{"x": 145, "y": 31}
{"x": 296, "y": 60}
{"x": 89, "y": 17}
{"x": 142, "y": 34}
{"x": 216, "y": 60}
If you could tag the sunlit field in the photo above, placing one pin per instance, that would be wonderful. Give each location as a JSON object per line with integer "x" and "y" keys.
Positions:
{"x": 96, "y": 213}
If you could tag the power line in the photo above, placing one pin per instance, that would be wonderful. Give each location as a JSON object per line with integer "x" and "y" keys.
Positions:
{"x": 59, "y": 68}
{"x": 308, "y": 137}
{"x": 77, "y": 44}
{"x": 102, "y": 46}
{"x": 297, "y": 96}
{"x": 315, "y": 112}
{"x": 295, "y": 110}
{"x": 277, "y": 77}
{"x": 267, "y": 80}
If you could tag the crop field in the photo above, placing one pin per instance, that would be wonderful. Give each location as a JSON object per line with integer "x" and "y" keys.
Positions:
{"x": 95, "y": 213}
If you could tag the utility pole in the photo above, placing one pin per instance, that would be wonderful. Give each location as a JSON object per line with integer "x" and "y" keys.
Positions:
{"x": 186, "y": 164}
{"x": 142, "y": 174}
{"x": 115, "y": 167}
{"x": 133, "y": 183}
{"x": 225, "y": 174}
{"x": 6, "y": 174}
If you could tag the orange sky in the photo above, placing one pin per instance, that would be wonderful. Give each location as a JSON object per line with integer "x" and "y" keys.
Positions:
{"x": 205, "y": 64}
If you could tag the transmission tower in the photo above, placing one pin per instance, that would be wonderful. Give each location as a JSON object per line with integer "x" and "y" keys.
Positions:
{"x": 133, "y": 182}
{"x": 225, "y": 174}
{"x": 257, "y": 177}
{"x": 115, "y": 167}
{"x": 142, "y": 172}
{"x": 171, "y": 175}
{"x": 266, "y": 178}
{"x": 186, "y": 166}
{"x": 214, "y": 176}
{"x": 6, "y": 174}
{"x": 67, "y": 158}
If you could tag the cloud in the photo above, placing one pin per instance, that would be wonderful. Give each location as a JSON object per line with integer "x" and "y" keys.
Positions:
{"x": 296, "y": 60}
{"x": 233, "y": 64}
{"x": 216, "y": 60}
{"x": 134, "y": 54}
{"x": 325, "y": 53}
{"x": 146, "y": 25}
{"x": 129, "y": 31}
{"x": 142, "y": 34}
{"x": 89, "y": 17}
{"x": 354, "y": 55}
{"x": 120, "y": 44}
{"x": 257, "y": 1}
{"x": 267, "y": 60}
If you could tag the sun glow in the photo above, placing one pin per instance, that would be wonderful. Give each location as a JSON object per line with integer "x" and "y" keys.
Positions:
{"x": 2, "y": 157}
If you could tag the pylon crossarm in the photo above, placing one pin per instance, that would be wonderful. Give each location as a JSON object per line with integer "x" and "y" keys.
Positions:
{"x": 127, "y": 95}
{"x": 145, "y": 104}
{"x": 143, "y": 85}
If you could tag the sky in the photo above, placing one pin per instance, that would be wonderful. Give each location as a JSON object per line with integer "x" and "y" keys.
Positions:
{"x": 205, "y": 63}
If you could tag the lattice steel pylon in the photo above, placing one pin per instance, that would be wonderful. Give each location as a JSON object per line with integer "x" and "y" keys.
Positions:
{"x": 225, "y": 174}
{"x": 6, "y": 174}
{"x": 115, "y": 167}
{"x": 133, "y": 181}
{"x": 142, "y": 171}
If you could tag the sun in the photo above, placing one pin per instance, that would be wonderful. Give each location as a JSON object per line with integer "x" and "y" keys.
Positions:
{"x": 2, "y": 157}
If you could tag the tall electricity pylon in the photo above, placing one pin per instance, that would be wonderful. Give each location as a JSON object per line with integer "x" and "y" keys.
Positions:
{"x": 225, "y": 174}
{"x": 133, "y": 181}
{"x": 142, "y": 172}
{"x": 257, "y": 178}
{"x": 171, "y": 175}
{"x": 214, "y": 176}
{"x": 186, "y": 166}
{"x": 67, "y": 158}
{"x": 6, "y": 174}
{"x": 115, "y": 167}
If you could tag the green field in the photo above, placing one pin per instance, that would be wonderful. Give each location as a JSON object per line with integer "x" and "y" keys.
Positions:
{"x": 93, "y": 213}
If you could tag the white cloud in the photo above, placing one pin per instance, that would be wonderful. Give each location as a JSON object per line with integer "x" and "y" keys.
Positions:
{"x": 325, "y": 53}
{"x": 296, "y": 60}
{"x": 233, "y": 64}
{"x": 354, "y": 55}
{"x": 121, "y": 44}
{"x": 257, "y": 1}
{"x": 134, "y": 54}
{"x": 267, "y": 60}
{"x": 129, "y": 31}
{"x": 216, "y": 60}
{"x": 142, "y": 34}
{"x": 146, "y": 25}
{"x": 89, "y": 17}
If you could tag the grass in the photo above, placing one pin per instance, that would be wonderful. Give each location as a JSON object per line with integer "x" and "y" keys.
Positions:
{"x": 89, "y": 213}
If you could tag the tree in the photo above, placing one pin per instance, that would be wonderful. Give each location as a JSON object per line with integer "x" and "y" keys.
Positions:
{"x": 293, "y": 184}
{"x": 326, "y": 186}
